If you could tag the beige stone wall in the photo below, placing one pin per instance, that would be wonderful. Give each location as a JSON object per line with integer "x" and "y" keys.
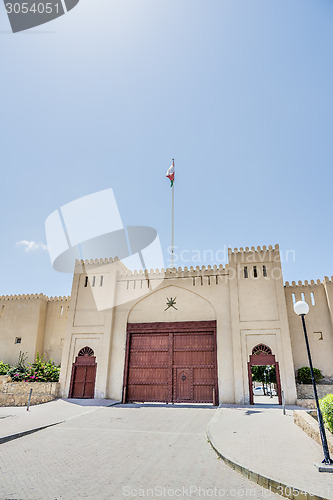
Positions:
{"x": 38, "y": 321}
{"x": 90, "y": 318}
{"x": 98, "y": 316}
{"x": 21, "y": 316}
{"x": 305, "y": 391}
{"x": 259, "y": 315}
{"x": 106, "y": 296}
{"x": 55, "y": 328}
{"x": 318, "y": 322}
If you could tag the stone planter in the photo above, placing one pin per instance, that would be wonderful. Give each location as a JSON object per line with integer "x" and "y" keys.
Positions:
{"x": 17, "y": 393}
{"x": 305, "y": 391}
{"x": 310, "y": 425}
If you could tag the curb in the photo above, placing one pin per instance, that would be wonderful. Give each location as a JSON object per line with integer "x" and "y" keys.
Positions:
{"x": 11, "y": 437}
{"x": 266, "y": 482}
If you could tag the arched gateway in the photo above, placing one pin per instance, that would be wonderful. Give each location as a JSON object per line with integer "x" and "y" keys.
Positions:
{"x": 262, "y": 356}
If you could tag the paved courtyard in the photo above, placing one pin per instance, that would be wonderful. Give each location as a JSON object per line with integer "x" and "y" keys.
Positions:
{"x": 122, "y": 452}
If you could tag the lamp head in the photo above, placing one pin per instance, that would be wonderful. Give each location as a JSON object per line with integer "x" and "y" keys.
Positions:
{"x": 301, "y": 308}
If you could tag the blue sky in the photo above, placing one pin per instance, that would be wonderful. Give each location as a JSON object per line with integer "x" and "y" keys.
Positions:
{"x": 238, "y": 91}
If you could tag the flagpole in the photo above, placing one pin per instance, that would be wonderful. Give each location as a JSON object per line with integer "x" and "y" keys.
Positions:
{"x": 172, "y": 217}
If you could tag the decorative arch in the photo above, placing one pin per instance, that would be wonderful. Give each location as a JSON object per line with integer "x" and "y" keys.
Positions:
{"x": 261, "y": 349}
{"x": 86, "y": 351}
{"x": 205, "y": 303}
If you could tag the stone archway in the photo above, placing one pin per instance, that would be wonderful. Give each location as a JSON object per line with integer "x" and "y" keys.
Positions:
{"x": 261, "y": 356}
{"x": 83, "y": 375}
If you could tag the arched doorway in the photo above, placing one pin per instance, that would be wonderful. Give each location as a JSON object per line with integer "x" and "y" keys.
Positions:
{"x": 83, "y": 375}
{"x": 262, "y": 356}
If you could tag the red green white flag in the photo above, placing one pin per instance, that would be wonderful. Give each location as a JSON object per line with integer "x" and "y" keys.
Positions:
{"x": 171, "y": 173}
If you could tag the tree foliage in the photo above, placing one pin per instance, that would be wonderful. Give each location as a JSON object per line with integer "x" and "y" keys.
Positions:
{"x": 258, "y": 374}
{"x": 303, "y": 375}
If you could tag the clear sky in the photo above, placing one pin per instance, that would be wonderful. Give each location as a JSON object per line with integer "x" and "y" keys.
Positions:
{"x": 239, "y": 92}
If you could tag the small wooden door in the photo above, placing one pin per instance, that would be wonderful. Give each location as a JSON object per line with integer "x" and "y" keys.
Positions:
{"x": 83, "y": 377}
{"x": 183, "y": 384}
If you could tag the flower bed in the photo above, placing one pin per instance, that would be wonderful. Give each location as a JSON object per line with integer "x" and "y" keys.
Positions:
{"x": 39, "y": 371}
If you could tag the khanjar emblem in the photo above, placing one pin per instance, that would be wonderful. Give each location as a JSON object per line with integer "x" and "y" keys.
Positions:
{"x": 171, "y": 303}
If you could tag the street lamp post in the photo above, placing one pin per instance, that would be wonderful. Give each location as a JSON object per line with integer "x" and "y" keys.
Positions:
{"x": 301, "y": 308}
{"x": 268, "y": 369}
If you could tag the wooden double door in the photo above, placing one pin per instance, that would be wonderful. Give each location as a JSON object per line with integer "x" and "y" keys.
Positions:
{"x": 83, "y": 377}
{"x": 171, "y": 362}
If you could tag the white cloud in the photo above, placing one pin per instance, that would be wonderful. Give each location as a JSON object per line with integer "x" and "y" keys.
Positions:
{"x": 31, "y": 246}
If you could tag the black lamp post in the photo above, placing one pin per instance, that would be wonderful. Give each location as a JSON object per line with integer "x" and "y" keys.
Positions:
{"x": 301, "y": 308}
{"x": 268, "y": 370}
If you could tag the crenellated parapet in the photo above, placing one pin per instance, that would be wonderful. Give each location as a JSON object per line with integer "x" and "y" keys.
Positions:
{"x": 254, "y": 254}
{"x": 89, "y": 265}
{"x": 59, "y": 299}
{"x": 304, "y": 283}
{"x": 174, "y": 273}
{"x": 34, "y": 296}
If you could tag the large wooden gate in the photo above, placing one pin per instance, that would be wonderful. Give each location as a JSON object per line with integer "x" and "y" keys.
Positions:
{"x": 171, "y": 362}
{"x": 83, "y": 375}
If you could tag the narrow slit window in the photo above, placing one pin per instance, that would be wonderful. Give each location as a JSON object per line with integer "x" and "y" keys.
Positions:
{"x": 294, "y": 298}
{"x": 255, "y": 272}
{"x": 264, "y": 271}
{"x": 303, "y": 296}
{"x": 246, "y": 274}
{"x": 1, "y": 310}
{"x": 86, "y": 281}
{"x": 313, "y": 302}
{"x": 61, "y": 310}
{"x": 93, "y": 281}
{"x": 101, "y": 281}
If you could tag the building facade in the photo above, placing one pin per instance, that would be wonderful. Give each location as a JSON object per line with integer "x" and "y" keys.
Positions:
{"x": 174, "y": 335}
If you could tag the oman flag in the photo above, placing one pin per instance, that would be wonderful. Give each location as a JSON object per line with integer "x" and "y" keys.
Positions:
{"x": 171, "y": 173}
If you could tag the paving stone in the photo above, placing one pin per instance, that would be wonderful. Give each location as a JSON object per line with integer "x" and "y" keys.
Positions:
{"x": 120, "y": 452}
{"x": 270, "y": 445}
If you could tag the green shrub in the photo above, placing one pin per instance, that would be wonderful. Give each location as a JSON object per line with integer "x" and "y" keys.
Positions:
{"x": 39, "y": 371}
{"x": 19, "y": 371}
{"x": 326, "y": 406}
{"x": 304, "y": 375}
{"x": 43, "y": 371}
{"x": 4, "y": 368}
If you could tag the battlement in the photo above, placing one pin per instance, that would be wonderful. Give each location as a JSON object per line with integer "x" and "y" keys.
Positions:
{"x": 254, "y": 254}
{"x": 307, "y": 283}
{"x": 174, "y": 272}
{"x": 79, "y": 264}
{"x": 34, "y": 296}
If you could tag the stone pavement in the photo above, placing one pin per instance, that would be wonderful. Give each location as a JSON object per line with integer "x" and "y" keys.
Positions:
{"x": 121, "y": 452}
{"x": 263, "y": 440}
{"x": 17, "y": 420}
